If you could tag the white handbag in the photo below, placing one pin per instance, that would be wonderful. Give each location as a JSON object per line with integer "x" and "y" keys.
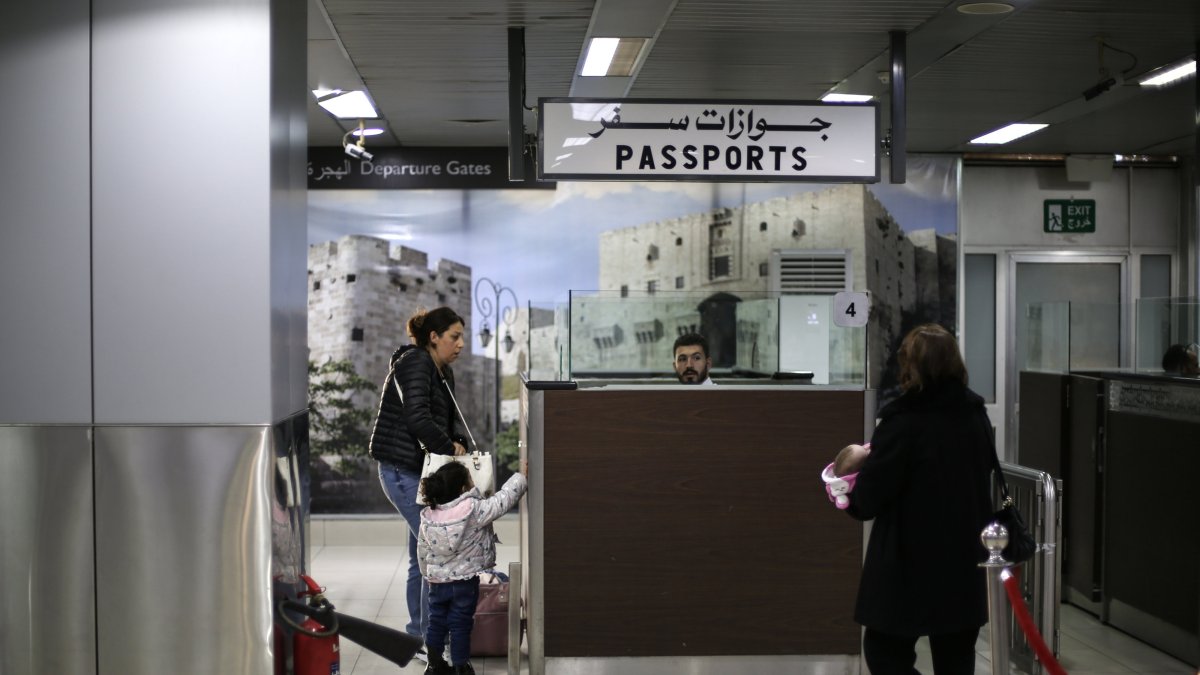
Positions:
{"x": 483, "y": 472}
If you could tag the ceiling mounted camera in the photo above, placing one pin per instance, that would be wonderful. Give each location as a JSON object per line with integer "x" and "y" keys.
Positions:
{"x": 357, "y": 150}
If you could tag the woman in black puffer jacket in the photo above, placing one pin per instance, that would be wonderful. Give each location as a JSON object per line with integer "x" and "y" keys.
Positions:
{"x": 423, "y": 420}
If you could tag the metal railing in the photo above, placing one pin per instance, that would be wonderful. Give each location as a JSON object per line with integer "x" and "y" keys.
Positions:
{"x": 1038, "y": 496}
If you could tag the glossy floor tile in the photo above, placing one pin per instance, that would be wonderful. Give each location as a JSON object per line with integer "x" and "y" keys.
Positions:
{"x": 368, "y": 582}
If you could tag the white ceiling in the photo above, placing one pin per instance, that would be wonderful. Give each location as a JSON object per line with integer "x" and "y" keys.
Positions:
{"x": 438, "y": 69}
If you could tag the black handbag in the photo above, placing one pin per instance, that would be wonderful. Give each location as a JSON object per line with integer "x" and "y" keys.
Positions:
{"x": 1021, "y": 544}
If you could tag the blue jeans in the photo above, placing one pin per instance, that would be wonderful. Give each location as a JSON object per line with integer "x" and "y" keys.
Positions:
{"x": 452, "y": 611}
{"x": 400, "y": 486}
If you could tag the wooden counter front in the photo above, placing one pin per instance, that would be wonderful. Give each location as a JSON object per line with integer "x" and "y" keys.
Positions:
{"x": 693, "y": 521}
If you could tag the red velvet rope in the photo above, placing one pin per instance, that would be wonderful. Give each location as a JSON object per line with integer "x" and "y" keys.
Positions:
{"x": 1012, "y": 587}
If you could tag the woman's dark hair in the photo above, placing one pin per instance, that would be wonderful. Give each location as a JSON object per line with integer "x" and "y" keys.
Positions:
{"x": 928, "y": 357}
{"x": 435, "y": 320}
{"x": 446, "y": 484}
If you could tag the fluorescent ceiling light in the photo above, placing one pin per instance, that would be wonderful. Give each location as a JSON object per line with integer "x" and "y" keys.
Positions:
{"x": 985, "y": 8}
{"x": 322, "y": 93}
{"x": 599, "y": 55}
{"x": 846, "y": 98}
{"x": 1169, "y": 74}
{"x": 350, "y": 104}
{"x": 369, "y": 131}
{"x": 611, "y": 57}
{"x": 1009, "y": 133}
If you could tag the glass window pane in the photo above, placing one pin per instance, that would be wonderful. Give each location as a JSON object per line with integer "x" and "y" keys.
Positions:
{"x": 980, "y": 306}
{"x": 1154, "y": 323}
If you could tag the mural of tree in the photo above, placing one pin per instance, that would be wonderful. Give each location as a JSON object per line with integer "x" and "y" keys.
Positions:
{"x": 339, "y": 432}
{"x": 336, "y": 425}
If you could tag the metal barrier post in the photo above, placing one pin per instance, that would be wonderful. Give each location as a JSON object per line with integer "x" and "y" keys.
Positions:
{"x": 514, "y": 617}
{"x": 995, "y": 538}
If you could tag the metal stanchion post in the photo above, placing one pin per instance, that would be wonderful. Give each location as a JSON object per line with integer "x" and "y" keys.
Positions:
{"x": 515, "y": 593}
{"x": 995, "y": 538}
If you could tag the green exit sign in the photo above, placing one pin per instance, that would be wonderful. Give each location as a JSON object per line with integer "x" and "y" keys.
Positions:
{"x": 1069, "y": 215}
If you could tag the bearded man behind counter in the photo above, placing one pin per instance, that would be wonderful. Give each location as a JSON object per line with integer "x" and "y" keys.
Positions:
{"x": 692, "y": 361}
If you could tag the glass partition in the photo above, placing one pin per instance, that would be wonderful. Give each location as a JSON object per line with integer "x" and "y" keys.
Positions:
{"x": 1162, "y": 322}
{"x": 1064, "y": 336}
{"x": 546, "y": 343}
{"x": 1046, "y": 343}
{"x": 752, "y": 336}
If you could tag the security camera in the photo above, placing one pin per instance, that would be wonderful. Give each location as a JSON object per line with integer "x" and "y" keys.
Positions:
{"x": 1102, "y": 86}
{"x": 358, "y": 152}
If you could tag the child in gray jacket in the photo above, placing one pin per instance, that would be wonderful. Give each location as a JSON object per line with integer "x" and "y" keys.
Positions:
{"x": 455, "y": 543}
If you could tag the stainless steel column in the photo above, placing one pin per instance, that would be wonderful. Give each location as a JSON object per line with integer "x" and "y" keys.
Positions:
{"x": 47, "y": 607}
{"x": 183, "y": 549}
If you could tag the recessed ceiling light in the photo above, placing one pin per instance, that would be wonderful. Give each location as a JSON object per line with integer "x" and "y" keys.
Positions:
{"x": 369, "y": 131}
{"x": 846, "y": 98}
{"x": 611, "y": 57}
{"x": 1168, "y": 74}
{"x": 1008, "y": 133}
{"x": 985, "y": 8}
{"x": 351, "y": 104}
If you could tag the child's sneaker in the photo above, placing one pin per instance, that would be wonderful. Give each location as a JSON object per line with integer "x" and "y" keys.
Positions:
{"x": 421, "y": 655}
{"x": 437, "y": 665}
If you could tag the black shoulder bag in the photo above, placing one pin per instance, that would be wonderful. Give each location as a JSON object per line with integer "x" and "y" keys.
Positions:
{"x": 1021, "y": 544}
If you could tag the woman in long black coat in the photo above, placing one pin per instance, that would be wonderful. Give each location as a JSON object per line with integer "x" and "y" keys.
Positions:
{"x": 926, "y": 485}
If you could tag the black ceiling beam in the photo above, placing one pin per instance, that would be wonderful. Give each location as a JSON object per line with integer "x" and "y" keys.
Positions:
{"x": 899, "y": 107}
{"x": 516, "y": 104}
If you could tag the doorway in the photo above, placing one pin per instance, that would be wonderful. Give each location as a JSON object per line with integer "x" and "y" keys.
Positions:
{"x": 1067, "y": 311}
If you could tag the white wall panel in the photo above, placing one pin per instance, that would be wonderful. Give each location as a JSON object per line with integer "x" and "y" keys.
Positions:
{"x": 45, "y": 342}
{"x": 1002, "y": 206}
{"x": 1157, "y": 207}
{"x": 185, "y": 141}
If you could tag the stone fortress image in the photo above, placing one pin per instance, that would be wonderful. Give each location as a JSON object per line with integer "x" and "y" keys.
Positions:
{"x": 719, "y": 256}
{"x": 709, "y": 272}
{"x": 361, "y": 292}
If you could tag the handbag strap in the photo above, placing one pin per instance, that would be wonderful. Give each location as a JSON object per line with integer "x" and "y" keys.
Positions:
{"x": 460, "y": 415}
{"x": 1006, "y": 500}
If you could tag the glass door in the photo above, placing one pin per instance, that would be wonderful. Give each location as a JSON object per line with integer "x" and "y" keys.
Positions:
{"x": 1090, "y": 292}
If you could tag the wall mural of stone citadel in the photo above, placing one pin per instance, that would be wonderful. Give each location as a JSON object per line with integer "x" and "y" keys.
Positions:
{"x": 377, "y": 256}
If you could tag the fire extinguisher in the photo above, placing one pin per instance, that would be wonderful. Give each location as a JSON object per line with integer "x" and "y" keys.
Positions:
{"x": 316, "y": 649}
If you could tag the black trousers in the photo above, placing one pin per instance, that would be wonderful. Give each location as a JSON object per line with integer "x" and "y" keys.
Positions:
{"x": 953, "y": 653}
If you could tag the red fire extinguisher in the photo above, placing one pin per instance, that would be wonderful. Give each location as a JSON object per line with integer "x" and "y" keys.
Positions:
{"x": 316, "y": 649}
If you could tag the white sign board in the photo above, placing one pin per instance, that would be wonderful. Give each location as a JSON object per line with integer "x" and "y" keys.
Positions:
{"x": 751, "y": 141}
{"x": 851, "y": 309}
{"x": 804, "y": 335}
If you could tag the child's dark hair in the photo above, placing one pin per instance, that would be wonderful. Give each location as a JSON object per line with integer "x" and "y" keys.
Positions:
{"x": 446, "y": 484}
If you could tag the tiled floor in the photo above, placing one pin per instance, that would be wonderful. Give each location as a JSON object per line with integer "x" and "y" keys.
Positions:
{"x": 368, "y": 582}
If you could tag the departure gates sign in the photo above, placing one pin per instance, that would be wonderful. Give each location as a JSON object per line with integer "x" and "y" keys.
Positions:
{"x": 748, "y": 141}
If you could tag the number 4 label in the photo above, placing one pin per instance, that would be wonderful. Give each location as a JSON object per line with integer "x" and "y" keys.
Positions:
{"x": 851, "y": 309}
